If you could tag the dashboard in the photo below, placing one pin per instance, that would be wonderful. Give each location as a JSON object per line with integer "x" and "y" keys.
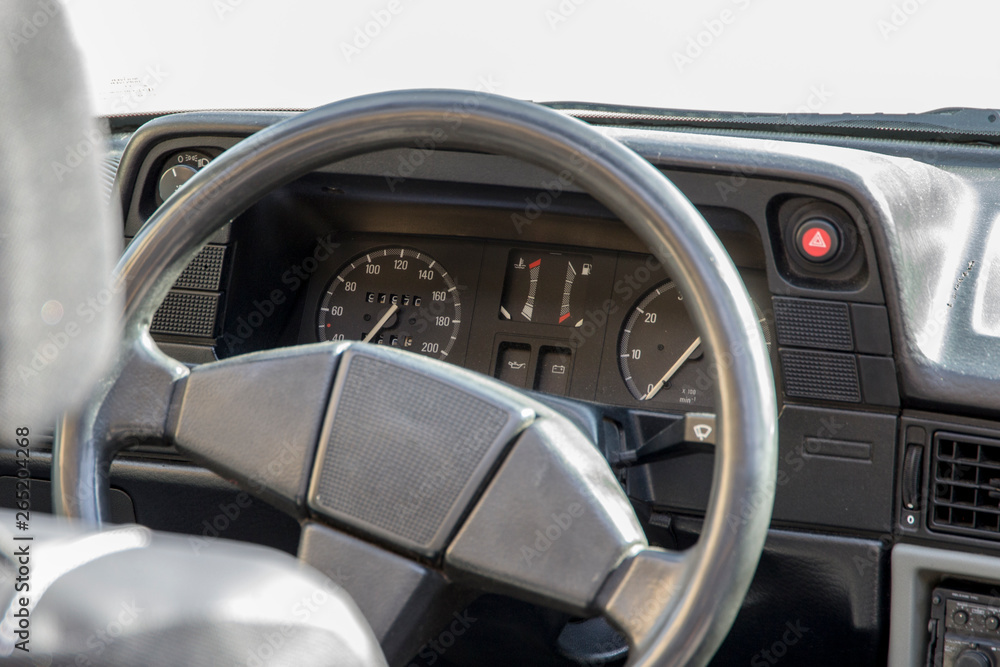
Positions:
{"x": 490, "y": 264}
{"x": 564, "y": 301}
{"x": 867, "y": 264}
{"x": 541, "y": 288}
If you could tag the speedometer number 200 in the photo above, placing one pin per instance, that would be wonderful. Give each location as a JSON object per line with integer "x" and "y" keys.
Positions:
{"x": 393, "y": 296}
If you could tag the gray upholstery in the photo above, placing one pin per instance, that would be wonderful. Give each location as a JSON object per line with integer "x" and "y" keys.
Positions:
{"x": 127, "y": 596}
{"x": 58, "y": 241}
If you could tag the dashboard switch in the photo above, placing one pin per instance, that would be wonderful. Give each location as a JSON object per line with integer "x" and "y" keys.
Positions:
{"x": 817, "y": 240}
{"x": 554, "y": 365}
{"x": 512, "y": 364}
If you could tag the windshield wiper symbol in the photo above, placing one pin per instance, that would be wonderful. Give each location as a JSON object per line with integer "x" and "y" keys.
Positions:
{"x": 702, "y": 431}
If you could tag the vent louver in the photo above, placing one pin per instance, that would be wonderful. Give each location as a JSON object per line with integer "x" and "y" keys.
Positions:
{"x": 965, "y": 485}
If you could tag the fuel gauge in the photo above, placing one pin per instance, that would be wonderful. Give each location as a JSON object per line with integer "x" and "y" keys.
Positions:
{"x": 546, "y": 287}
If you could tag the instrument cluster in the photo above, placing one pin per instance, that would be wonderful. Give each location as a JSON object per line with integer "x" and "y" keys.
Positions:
{"x": 587, "y": 323}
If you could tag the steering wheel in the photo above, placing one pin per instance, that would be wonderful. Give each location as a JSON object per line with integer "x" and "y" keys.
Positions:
{"x": 424, "y": 472}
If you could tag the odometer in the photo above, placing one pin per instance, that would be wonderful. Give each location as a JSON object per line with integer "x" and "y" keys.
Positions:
{"x": 393, "y": 296}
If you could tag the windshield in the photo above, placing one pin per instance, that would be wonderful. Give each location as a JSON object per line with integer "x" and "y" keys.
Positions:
{"x": 779, "y": 56}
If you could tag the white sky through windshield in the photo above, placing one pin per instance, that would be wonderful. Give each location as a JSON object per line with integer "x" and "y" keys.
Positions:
{"x": 728, "y": 55}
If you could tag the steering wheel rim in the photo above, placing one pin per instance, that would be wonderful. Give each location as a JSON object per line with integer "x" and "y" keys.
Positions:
{"x": 689, "y": 631}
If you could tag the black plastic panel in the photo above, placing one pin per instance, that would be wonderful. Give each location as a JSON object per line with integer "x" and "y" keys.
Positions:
{"x": 205, "y": 270}
{"x": 824, "y": 325}
{"x": 815, "y": 600}
{"x": 181, "y": 498}
{"x": 187, "y": 313}
{"x": 826, "y": 376}
{"x": 122, "y": 510}
{"x": 835, "y": 469}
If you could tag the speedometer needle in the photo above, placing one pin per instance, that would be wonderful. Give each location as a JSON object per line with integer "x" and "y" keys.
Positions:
{"x": 381, "y": 323}
{"x": 673, "y": 369}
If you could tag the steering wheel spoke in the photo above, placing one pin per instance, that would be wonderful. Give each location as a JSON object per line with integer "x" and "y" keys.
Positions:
{"x": 552, "y": 524}
{"x": 133, "y": 406}
{"x": 642, "y": 593}
{"x": 256, "y": 419}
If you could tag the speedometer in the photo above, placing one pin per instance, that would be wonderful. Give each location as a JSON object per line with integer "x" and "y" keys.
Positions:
{"x": 393, "y": 296}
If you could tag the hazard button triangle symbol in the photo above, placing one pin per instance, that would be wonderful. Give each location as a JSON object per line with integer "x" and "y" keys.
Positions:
{"x": 818, "y": 241}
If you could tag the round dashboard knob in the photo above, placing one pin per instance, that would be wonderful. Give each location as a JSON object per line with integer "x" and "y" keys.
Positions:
{"x": 173, "y": 178}
{"x": 972, "y": 658}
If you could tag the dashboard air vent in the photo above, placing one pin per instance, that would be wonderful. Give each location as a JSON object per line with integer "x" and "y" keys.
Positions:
{"x": 965, "y": 478}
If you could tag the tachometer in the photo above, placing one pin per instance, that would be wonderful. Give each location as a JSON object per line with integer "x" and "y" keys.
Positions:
{"x": 393, "y": 296}
{"x": 659, "y": 350}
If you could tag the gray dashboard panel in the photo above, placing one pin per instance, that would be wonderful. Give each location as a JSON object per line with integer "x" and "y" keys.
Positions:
{"x": 916, "y": 571}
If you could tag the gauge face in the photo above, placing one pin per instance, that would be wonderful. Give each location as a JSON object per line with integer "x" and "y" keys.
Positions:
{"x": 546, "y": 287}
{"x": 393, "y": 296}
{"x": 659, "y": 350}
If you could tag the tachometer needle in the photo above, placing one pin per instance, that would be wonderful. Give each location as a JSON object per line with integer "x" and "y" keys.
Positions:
{"x": 381, "y": 323}
{"x": 673, "y": 369}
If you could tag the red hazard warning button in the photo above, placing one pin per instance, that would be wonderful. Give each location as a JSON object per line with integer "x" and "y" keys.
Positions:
{"x": 817, "y": 240}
